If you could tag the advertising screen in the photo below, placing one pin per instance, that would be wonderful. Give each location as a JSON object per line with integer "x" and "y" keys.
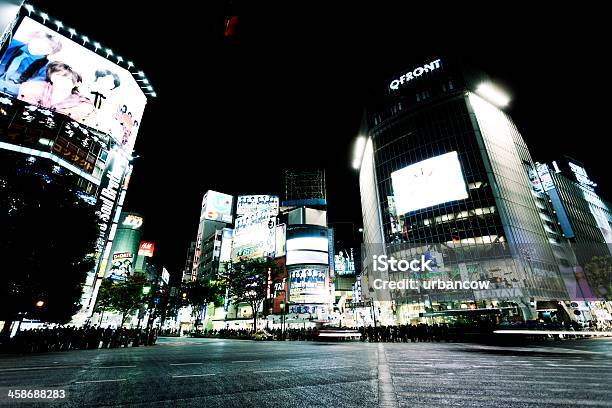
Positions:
{"x": 253, "y": 203}
{"x": 132, "y": 221}
{"x": 44, "y": 68}
{"x": 280, "y": 241}
{"x": 307, "y": 284}
{"x": 344, "y": 262}
{"x": 165, "y": 277}
{"x": 146, "y": 249}
{"x": 217, "y": 206}
{"x": 433, "y": 181}
{"x": 307, "y": 245}
{"x": 254, "y": 235}
{"x": 121, "y": 266}
{"x": 108, "y": 195}
{"x": 225, "y": 253}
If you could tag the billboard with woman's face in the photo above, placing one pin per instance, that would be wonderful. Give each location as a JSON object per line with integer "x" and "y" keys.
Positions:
{"x": 44, "y": 68}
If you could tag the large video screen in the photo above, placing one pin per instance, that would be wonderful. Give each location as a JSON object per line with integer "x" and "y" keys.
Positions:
{"x": 307, "y": 284}
{"x": 254, "y": 236}
{"x": 44, "y": 68}
{"x": 307, "y": 245}
{"x": 430, "y": 182}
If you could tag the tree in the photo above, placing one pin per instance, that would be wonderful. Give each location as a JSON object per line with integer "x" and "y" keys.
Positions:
{"x": 599, "y": 275}
{"x": 47, "y": 241}
{"x": 249, "y": 282}
{"x": 198, "y": 294}
{"x": 126, "y": 295}
{"x": 172, "y": 301}
{"x": 104, "y": 301}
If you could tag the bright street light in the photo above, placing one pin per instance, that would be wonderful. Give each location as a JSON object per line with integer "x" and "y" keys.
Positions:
{"x": 493, "y": 94}
{"x": 358, "y": 152}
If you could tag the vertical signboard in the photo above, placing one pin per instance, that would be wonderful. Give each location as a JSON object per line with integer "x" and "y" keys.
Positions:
{"x": 109, "y": 192}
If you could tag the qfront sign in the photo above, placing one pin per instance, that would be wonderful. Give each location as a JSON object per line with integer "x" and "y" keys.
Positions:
{"x": 415, "y": 73}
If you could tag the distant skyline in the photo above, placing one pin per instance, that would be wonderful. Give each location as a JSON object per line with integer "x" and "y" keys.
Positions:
{"x": 288, "y": 90}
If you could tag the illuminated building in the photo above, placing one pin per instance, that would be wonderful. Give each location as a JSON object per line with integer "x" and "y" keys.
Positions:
{"x": 87, "y": 138}
{"x": 585, "y": 219}
{"x": 187, "y": 270}
{"x": 216, "y": 214}
{"x": 445, "y": 173}
{"x": 124, "y": 247}
{"x": 309, "y": 245}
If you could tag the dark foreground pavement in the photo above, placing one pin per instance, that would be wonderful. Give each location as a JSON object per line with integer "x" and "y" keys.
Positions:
{"x": 237, "y": 373}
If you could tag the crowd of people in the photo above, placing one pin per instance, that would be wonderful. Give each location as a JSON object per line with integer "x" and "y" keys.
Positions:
{"x": 170, "y": 333}
{"x": 265, "y": 334}
{"x": 62, "y": 338}
{"x": 411, "y": 333}
{"x": 400, "y": 333}
{"x": 222, "y": 333}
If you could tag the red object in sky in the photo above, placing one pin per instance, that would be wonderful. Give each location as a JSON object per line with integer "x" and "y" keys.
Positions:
{"x": 230, "y": 26}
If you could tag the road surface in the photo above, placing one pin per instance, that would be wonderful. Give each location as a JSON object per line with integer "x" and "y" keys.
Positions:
{"x": 185, "y": 372}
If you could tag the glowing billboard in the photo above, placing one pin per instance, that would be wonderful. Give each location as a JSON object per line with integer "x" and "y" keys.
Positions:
{"x": 253, "y": 203}
{"x": 121, "y": 266}
{"x": 255, "y": 232}
{"x": 307, "y": 245}
{"x": 254, "y": 235}
{"x": 146, "y": 249}
{"x": 280, "y": 241}
{"x": 217, "y": 206}
{"x": 44, "y": 68}
{"x": 344, "y": 262}
{"x": 132, "y": 221}
{"x": 429, "y": 182}
{"x": 225, "y": 253}
{"x": 307, "y": 284}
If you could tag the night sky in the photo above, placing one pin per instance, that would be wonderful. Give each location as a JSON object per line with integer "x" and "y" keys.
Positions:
{"x": 288, "y": 89}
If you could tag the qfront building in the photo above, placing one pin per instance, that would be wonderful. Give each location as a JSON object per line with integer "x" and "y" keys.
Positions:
{"x": 445, "y": 178}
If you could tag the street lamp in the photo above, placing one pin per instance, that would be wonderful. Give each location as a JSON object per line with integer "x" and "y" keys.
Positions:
{"x": 40, "y": 303}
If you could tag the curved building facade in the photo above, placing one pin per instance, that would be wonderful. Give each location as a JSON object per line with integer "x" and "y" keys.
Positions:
{"x": 445, "y": 175}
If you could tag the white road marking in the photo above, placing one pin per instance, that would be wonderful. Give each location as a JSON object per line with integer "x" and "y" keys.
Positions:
{"x": 38, "y": 368}
{"x": 272, "y": 371}
{"x": 193, "y": 375}
{"x": 579, "y": 365}
{"x": 333, "y": 367}
{"x": 100, "y": 381}
{"x": 131, "y": 366}
{"x": 181, "y": 364}
{"x": 246, "y": 361}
